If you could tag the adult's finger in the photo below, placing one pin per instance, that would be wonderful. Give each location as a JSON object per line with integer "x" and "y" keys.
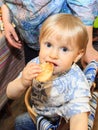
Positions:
{"x": 12, "y": 41}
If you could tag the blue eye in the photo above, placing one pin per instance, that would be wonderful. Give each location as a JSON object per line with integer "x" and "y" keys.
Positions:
{"x": 48, "y": 44}
{"x": 65, "y": 49}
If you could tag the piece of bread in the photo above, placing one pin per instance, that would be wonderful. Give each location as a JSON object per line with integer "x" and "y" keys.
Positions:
{"x": 47, "y": 71}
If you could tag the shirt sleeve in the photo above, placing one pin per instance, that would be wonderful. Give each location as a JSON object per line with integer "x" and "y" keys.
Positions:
{"x": 74, "y": 107}
{"x": 86, "y": 10}
{"x": 91, "y": 71}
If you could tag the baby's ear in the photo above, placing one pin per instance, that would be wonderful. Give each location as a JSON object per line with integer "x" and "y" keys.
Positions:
{"x": 79, "y": 55}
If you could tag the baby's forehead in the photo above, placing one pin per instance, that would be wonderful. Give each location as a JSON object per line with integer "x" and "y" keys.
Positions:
{"x": 57, "y": 33}
{"x": 60, "y": 34}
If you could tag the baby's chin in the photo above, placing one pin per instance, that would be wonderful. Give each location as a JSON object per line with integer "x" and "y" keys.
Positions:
{"x": 59, "y": 72}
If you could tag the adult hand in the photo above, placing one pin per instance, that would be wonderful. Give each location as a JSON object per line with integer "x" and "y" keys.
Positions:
{"x": 12, "y": 36}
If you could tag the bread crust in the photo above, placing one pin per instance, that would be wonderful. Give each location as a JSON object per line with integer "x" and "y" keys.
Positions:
{"x": 47, "y": 71}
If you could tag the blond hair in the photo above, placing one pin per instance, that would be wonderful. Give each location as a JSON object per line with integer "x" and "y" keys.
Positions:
{"x": 67, "y": 27}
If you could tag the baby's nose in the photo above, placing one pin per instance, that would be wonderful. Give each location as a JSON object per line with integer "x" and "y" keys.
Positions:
{"x": 54, "y": 54}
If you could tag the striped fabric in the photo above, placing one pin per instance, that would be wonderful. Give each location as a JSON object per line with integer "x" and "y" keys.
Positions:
{"x": 44, "y": 124}
{"x": 11, "y": 63}
{"x": 91, "y": 71}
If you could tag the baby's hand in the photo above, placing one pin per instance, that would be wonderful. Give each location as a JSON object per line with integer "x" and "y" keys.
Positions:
{"x": 30, "y": 71}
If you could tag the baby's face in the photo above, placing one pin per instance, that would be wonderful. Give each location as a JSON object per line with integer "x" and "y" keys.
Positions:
{"x": 58, "y": 52}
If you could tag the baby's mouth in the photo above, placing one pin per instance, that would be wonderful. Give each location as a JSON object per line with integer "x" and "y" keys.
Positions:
{"x": 55, "y": 65}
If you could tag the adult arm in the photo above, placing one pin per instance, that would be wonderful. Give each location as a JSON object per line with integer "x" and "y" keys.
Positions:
{"x": 87, "y": 14}
{"x": 10, "y": 32}
{"x": 91, "y": 54}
